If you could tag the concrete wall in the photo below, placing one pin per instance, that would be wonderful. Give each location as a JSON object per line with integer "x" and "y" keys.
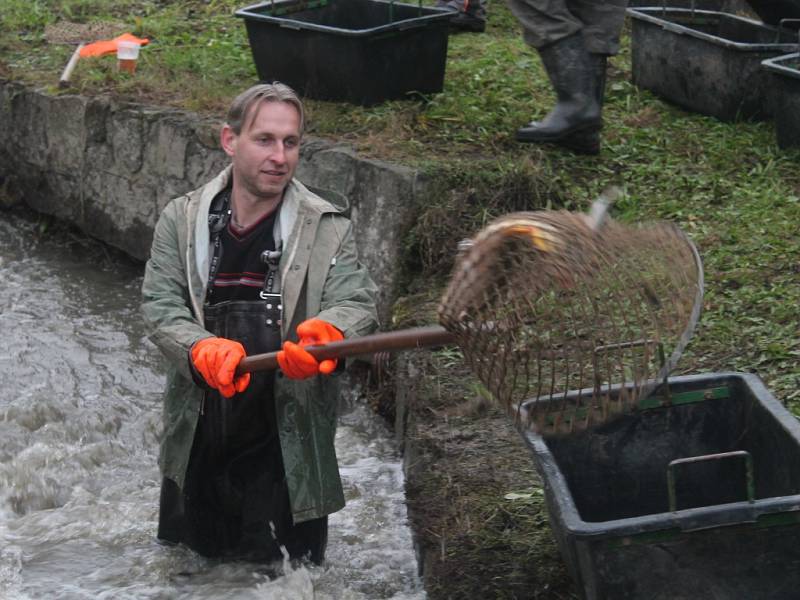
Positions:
{"x": 110, "y": 168}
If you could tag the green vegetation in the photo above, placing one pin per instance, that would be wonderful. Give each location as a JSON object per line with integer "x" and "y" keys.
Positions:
{"x": 198, "y": 56}
{"x": 727, "y": 185}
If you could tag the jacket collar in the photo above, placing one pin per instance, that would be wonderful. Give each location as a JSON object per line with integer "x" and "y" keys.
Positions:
{"x": 297, "y": 200}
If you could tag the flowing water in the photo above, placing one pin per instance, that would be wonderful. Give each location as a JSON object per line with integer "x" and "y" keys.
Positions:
{"x": 79, "y": 428}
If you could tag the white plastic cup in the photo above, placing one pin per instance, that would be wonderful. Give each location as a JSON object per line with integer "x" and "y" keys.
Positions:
{"x": 127, "y": 55}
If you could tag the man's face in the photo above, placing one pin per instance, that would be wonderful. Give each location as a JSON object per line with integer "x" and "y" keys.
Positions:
{"x": 265, "y": 154}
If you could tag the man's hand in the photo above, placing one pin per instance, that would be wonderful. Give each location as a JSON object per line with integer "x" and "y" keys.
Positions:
{"x": 216, "y": 360}
{"x": 296, "y": 362}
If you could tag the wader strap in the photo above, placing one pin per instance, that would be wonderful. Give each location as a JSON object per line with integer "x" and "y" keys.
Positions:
{"x": 218, "y": 216}
{"x": 271, "y": 292}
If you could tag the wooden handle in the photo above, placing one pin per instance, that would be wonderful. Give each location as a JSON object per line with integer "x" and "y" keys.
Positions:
{"x": 404, "y": 339}
{"x": 64, "y": 81}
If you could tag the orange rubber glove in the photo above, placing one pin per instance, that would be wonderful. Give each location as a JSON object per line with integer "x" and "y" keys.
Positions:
{"x": 216, "y": 360}
{"x": 104, "y": 47}
{"x": 296, "y": 362}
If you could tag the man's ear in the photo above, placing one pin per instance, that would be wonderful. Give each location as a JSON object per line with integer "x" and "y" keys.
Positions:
{"x": 227, "y": 140}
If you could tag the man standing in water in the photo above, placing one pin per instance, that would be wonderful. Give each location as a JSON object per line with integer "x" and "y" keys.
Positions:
{"x": 252, "y": 262}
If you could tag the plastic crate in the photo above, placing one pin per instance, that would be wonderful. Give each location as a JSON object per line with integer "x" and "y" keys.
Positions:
{"x": 786, "y": 98}
{"x": 706, "y": 61}
{"x": 774, "y": 11}
{"x": 358, "y": 51}
{"x": 698, "y": 499}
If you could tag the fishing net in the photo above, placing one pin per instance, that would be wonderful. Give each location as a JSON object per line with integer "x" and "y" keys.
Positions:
{"x": 547, "y": 303}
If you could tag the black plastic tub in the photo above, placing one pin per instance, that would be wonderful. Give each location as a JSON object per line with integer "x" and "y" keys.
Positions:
{"x": 786, "y": 93}
{"x": 358, "y": 51}
{"x": 723, "y": 522}
{"x": 706, "y": 61}
{"x": 775, "y": 11}
{"x": 769, "y": 11}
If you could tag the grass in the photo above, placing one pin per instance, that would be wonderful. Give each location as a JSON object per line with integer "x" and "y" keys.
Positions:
{"x": 726, "y": 184}
{"x": 197, "y": 59}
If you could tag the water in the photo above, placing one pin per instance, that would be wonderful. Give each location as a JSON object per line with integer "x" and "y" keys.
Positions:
{"x": 79, "y": 425}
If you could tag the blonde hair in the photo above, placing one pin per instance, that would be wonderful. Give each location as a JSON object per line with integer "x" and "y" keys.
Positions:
{"x": 242, "y": 105}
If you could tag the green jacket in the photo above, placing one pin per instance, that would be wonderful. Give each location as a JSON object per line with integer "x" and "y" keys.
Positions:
{"x": 320, "y": 276}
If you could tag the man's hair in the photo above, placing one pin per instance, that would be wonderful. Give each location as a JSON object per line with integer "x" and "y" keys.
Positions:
{"x": 242, "y": 105}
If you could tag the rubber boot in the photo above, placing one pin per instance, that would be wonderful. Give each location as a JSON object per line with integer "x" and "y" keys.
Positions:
{"x": 569, "y": 66}
{"x": 468, "y": 15}
{"x": 588, "y": 142}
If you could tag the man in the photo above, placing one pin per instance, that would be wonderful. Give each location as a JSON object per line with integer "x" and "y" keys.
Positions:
{"x": 574, "y": 39}
{"x": 251, "y": 262}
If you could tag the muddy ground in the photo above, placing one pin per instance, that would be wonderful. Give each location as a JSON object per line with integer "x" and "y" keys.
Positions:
{"x": 474, "y": 497}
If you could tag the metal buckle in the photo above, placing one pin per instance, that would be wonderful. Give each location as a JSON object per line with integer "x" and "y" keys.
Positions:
{"x": 273, "y": 304}
{"x": 271, "y": 296}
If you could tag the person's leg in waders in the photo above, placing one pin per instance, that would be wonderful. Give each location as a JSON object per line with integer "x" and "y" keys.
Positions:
{"x": 235, "y": 501}
{"x": 573, "y": 39}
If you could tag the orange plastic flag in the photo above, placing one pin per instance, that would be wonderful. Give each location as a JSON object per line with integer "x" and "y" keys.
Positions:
{"x": 104, "y": 47}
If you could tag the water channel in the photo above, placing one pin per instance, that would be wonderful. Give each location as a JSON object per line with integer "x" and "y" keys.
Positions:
{"x": 79, "y": 427}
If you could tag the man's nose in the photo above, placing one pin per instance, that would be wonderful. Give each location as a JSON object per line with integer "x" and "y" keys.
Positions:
{"x": 278, "y": 153}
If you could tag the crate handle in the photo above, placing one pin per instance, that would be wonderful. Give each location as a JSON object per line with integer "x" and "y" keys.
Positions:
{"x": 748, "y": 460}
{"x": 780, "y": 26}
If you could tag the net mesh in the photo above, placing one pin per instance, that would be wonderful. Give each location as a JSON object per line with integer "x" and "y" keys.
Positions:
{"x": 544, "y": 303}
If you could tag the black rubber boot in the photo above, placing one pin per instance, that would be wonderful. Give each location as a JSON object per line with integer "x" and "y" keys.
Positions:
{"x": 570, "y": 68}
{"x": 588, "y": 142}
{"x": 467, "y": 16}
